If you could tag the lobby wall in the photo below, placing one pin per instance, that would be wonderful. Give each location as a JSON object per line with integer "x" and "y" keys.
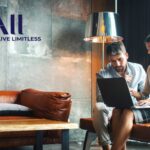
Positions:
{"x": 60, "y": 61}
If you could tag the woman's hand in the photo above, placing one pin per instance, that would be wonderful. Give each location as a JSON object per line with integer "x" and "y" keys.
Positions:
{"x": 135, "y": 93}
{"x": 143, "y": 102}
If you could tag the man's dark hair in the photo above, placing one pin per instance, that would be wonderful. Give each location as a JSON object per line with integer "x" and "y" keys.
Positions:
{"x": 115, "y": 48}
{"x": 147, "y": 39}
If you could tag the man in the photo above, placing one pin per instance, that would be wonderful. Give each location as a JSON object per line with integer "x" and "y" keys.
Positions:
{"x": 123, "y": 119}
{"x": 118, "y": 67}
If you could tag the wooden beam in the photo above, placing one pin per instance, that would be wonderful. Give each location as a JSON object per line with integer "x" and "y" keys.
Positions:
{"x": 103, "y": 5}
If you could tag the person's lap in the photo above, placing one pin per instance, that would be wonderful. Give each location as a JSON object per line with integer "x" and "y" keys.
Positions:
{"x": 141, "y": 115}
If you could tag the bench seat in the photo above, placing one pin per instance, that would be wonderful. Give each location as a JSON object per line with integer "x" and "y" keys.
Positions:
{"x": 140, "y": 132}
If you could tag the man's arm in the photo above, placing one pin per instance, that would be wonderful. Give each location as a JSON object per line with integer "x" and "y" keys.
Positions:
{"x": 143, "y": 86}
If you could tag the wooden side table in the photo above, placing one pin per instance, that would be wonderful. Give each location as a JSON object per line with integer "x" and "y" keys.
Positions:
{"x": 39, "y": 125}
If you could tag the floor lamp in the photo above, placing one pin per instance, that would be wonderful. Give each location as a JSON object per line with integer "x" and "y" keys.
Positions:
{"x": 103, "y": 27}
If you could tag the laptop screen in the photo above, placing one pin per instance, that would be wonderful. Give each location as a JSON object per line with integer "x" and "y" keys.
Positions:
{"x": 115, "y": 92}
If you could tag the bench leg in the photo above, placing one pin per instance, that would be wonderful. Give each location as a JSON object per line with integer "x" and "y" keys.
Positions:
{"x": 65, "y": 139}
{"x": 90, "y": 136}
{"x": 39, "y": 141}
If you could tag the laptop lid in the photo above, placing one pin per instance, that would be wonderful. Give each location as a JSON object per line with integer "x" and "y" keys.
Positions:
{"x": 115, "y": 92}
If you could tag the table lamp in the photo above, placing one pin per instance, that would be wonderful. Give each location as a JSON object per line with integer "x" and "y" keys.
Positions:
{"x": 103, "y": 27}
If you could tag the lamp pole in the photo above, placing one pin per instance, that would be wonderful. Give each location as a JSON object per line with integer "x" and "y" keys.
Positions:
{"x": 103, "y": 52}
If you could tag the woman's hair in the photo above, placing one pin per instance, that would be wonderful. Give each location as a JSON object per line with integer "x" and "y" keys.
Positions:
{"x": 147, "y": 39}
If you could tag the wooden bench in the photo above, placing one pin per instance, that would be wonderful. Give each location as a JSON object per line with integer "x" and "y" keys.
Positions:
{"x": 39, "y": 125}
{"x": 140, "y": 132}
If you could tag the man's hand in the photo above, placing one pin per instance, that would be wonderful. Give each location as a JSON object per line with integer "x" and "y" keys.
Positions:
{"x": 128, "y": 78}
{"x": 143, "y": 102}
{"x": 134, "y": 93}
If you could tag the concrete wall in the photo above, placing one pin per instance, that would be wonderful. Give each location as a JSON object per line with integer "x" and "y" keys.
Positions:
{"x": 61, "y": 61}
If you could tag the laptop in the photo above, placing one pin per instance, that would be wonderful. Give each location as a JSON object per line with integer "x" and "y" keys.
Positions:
{"x": 115, "y": 93}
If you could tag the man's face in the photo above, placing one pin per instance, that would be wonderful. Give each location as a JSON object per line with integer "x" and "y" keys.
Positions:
{"x": 147, "y": 44}
{"x": 119, "y": 62}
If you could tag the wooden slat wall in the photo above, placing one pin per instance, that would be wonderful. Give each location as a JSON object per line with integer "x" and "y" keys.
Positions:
{"x": 103, "y": 5}
{"x": 98, "y": 6}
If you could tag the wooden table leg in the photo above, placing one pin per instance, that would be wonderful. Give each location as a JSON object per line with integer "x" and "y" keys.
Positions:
{"x": 39, "y": 141}
{"x": 65, "y": 139}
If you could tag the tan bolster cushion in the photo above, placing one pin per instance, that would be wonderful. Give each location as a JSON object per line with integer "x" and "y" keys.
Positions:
{"x": 51, "y": 105}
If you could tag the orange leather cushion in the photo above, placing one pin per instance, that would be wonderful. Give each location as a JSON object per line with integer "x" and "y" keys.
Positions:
{"x": 51, "y": 105}
{"x": 87, "y": 124}
{"x": 141, "y": 132}
{"x": 8, "y": 96}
